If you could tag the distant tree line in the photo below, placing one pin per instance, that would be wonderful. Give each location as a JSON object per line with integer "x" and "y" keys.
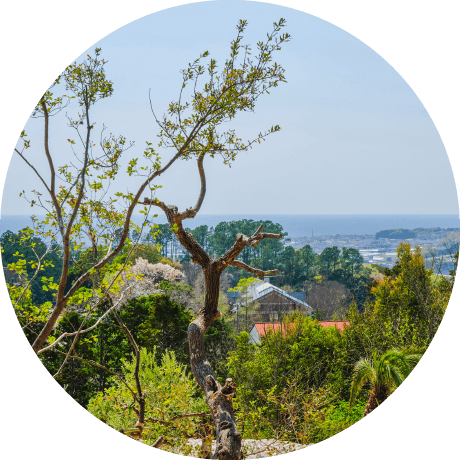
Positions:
{"x": 299, "y": 270}
{"x": 403, "y": 233}
{"x": 397, "y": 234}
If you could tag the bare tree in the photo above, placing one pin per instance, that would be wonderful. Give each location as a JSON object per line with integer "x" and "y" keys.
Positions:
{"x": 329, "y": 299}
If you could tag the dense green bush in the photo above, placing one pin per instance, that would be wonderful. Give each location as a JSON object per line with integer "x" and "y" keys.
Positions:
{"x": 341, "y": 411}
{"x": 156, "y": 322}
{"x": 170, "y": 391}
{"x": 304, "y": 350}
{"x": 287, "y": 384}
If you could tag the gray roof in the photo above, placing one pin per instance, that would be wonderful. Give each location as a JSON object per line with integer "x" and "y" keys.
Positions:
{"x": 271, "y": 288}
{"x": 298, "y": 295}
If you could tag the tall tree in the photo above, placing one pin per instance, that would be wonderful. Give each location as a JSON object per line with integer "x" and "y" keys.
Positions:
{"x": 329, "y": 258}
{"x": 352, "y": 260}
{"x": 289, "y": 266}
{"x": 75, "y": 196}
{"x": 410, "y": 307}
{"x": 193, "y": 130}
{"x": 163, "y": 237}
{"x": 307, "y": 258}
{"x": 74, "y": 210}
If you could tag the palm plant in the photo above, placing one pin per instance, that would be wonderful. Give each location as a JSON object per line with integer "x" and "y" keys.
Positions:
{"x": 384, "y": 373}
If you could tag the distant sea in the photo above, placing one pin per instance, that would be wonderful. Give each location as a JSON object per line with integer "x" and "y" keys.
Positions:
{"x": 301, "y": 225}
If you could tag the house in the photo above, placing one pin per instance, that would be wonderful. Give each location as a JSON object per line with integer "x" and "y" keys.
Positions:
{"x": 261, "y": 329}
{"x": 273, "y": 303}
{"x": 259, "y": 289}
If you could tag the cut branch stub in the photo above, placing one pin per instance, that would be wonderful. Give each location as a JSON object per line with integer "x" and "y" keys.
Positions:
{"x": 229, "y": 388}
{"x": 211, "y": 384}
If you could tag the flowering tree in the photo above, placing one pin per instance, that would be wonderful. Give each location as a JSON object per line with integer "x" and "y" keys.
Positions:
{"x": 143, "y": 278}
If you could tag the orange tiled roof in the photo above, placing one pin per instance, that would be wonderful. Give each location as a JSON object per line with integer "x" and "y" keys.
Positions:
{"x": 338, "y": 324}
{"x": 263, "y": 328}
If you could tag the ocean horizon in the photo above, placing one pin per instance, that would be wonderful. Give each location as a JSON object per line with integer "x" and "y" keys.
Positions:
{"x": 297, "y": 225}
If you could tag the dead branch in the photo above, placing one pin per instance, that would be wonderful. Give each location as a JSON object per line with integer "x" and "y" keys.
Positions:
{"x": 242, "y": 241}
{"x": 255, "y": 271}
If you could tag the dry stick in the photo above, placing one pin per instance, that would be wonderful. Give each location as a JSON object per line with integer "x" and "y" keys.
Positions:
{"x": 158, "y": 442}
{"x": 141, "y": 395}
{"x": 141, "y": 413}
{"x": 129, "y": 430}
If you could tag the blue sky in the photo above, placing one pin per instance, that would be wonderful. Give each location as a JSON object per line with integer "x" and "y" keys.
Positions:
{"x": 355, "y": 138}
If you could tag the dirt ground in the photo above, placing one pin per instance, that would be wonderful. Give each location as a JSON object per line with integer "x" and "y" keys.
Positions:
{"x": 253, "y": 448}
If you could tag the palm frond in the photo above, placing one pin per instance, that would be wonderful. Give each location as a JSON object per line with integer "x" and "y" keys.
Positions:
{"x": 387, "y": 370}
{"x": 363, "y": 372}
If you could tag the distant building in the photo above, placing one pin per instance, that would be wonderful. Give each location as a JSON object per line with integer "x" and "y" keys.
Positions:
{"x": 272, "y": 302}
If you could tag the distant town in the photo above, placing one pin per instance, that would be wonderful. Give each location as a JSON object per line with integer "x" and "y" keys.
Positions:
{"x": 438, "y": 245}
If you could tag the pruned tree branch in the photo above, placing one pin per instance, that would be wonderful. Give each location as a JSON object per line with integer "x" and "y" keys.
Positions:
{"x": 255, "y": 271}
{"x": 242, "y": 241}
{"x": 191, "y": 212}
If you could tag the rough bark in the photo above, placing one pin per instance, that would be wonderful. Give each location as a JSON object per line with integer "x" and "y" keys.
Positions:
{"x": 377, "y": 396}
{"x": 218, "y": 397}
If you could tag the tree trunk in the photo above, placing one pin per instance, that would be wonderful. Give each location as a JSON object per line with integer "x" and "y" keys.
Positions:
{"x": 218, "y": 398}
{"x": 377, "y": 396}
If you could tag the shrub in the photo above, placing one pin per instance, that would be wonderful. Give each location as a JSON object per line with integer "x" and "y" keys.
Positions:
{"x": 169, "y": 392}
